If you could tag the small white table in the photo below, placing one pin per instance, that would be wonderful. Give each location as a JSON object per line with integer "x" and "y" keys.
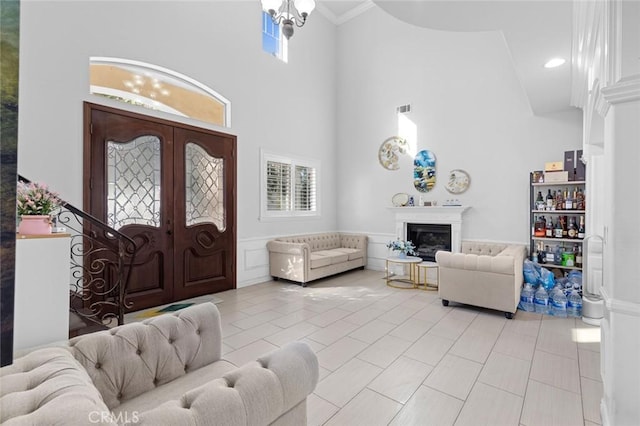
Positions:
{"x": 425, "y": 266}
{"x": 411, "y": 261}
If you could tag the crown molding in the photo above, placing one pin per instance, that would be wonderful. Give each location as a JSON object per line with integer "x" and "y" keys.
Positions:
{"x": 625, "y": 90}
{"x": 347, "y": 16}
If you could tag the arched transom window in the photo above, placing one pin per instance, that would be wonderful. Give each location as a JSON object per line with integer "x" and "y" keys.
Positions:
{"x": 157, "y": 88}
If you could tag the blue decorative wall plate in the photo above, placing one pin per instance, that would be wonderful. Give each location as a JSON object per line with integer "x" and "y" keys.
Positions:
{"x": 424, "y": 171}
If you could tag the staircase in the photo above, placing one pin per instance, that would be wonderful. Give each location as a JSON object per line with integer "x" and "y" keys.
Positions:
{"x": 100, "y": 263}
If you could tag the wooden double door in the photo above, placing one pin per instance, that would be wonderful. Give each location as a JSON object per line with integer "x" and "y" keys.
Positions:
{"x": 171, "y": 188}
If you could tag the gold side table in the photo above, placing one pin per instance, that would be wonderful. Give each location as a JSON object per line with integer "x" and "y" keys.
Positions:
{"x": 425, "y": 266}
{"x": 403, "y": 283}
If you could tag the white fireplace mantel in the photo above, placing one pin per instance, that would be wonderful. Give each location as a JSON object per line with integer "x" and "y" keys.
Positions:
{"x": 445, "y": 215}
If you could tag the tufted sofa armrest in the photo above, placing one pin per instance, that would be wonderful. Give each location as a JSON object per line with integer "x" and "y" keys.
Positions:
{"x": 254, "y": 394}
{"x": 285, "y": 247}
{"x": 49, "y": 387}
{"x": 129, "y": 360}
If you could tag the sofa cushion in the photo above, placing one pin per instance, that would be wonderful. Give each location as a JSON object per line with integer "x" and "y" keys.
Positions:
{"x": 318, "y": 261}
{"x": 353, "y": 253}
{"x": 335, "y": 256}
{"x": 176, "y": 388}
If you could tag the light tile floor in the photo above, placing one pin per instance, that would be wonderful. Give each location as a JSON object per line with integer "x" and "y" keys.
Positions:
{"x": 398, "y": 357}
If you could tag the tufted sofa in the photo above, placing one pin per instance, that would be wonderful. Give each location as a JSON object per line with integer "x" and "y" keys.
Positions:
{"x": 484, "y": 274}
{"x": 305, "y": 258}
{"x": 166, "y": 370}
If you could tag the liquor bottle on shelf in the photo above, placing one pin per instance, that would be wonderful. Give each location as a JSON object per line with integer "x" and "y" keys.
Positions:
{"x": 549, "y": 228}
{"x": 559, "y": 200}
{"x": 581, "y": 230}
{"x": 563, "y": 222}
{"x": 579, "y": 257}
{"x": 568, "y": 203}
{"x": 549, "y": 200}
{"x": 581, "y": 200}
{"x": 557, "y": 255}
{"x": 541, "y": 254}
{"x": 575, "y": 199}
{"x": 549, "y": 255}
{"x": 539, "y": 229}
{"x": 540, "y": 201}
{"x": 572, "y": 230}
{"x": 557, "y": 232}
{"x": 564, "y": 199}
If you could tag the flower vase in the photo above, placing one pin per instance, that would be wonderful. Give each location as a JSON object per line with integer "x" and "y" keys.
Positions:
{"x": 402, "y": 255}
{"x": 34, "y": 225}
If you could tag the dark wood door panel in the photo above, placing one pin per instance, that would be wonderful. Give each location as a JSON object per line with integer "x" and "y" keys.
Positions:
{"x": 151, "y": 270}
{"x": 205, "y": 241}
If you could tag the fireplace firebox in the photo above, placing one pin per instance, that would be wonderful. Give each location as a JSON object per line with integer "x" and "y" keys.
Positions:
{"x": 429, "y": 238}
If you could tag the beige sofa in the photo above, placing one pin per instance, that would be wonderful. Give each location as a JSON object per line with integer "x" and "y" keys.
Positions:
{"x": 487, "y": 274}
{"x": 305, "y": 258}
{"x": 166, "y": 370}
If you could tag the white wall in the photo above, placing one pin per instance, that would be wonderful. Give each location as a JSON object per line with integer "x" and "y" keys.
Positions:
{"x": 468, "y": 108}
{"x": 334, "y": 101}
{"x": 287, "y": 108}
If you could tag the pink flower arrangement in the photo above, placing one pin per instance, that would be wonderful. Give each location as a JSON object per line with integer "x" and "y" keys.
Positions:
{"x": 35, "y": 199}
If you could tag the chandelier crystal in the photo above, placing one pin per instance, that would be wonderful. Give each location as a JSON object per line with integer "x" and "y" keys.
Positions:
{"x": 288, "y": 12}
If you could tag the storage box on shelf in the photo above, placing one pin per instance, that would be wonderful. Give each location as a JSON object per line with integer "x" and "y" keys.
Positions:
{"x": 557, "y": 221}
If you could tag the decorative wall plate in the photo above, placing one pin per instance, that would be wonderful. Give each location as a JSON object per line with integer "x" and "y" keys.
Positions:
{"x": 389, "y": 152}
{"x": 400, "y": 199}
{"x": 458, "y": 182}
{"x": 424, "y": 171}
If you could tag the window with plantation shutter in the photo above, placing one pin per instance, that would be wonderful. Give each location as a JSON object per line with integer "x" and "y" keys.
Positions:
{"x": 289, "y": 187}
{"x": 278, "y": 186}
{"x": 305, "y": 189}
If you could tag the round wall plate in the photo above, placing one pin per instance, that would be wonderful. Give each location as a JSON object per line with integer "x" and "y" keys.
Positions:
{"x": 389, "y": 152}
{"x": 458, "y": 181}
{"x": 400, "y": 199}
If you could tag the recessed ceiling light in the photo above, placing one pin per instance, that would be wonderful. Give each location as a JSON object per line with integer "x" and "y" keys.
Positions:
{"x": 555, "y": 62}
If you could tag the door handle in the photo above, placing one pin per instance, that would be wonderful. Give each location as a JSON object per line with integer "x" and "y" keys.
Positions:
{"x": 169, "y": 232}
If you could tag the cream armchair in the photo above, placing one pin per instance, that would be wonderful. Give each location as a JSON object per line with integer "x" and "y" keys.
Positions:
{"x": 485, "y": 274}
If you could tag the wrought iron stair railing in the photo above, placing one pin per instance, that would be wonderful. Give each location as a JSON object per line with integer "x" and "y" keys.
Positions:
{"x": 100, "y": 265}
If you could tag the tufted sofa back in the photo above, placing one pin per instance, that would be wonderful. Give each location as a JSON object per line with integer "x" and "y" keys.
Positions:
{"x": 482, "y": 249}
{"x": 127, "y": 361}
{"x": 316, "y": 242}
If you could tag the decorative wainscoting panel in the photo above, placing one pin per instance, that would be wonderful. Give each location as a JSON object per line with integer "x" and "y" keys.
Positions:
{"x": 253, "y": 261}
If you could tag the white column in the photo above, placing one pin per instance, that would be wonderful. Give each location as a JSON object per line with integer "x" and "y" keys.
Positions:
{"x": 620, "y": 348}
{"x": 41, "y": 313}
{"x": 606, "y": 83}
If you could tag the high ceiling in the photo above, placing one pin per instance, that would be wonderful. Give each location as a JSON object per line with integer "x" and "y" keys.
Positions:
{"x": 535, "y": 31}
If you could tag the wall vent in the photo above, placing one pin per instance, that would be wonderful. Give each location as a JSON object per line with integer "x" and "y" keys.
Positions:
{"x": 404, "y": 108}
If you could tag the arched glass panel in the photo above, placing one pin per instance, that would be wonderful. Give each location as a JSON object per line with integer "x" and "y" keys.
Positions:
{"x": 204, "y": 188}
{"x": 157, "y": 88}
{"x": 133, "y": 182}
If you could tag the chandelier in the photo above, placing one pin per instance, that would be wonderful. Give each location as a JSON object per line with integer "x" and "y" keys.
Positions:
{"x": 288, "y": 12}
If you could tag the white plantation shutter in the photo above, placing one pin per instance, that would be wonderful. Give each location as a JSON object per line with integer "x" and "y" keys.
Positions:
{"x": 305, "y": 189}
{"x": 289, "y": 187}
{"x": 278, "y": 186}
